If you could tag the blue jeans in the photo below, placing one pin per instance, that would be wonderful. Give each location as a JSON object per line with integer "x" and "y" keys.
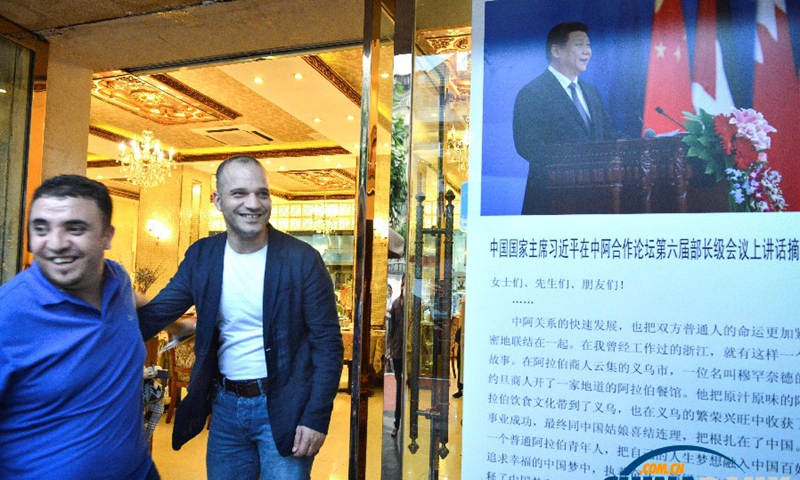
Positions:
{"x": 240, "y": 443}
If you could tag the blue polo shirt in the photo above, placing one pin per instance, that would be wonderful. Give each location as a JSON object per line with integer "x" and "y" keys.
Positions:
{"x": 71, "y": 382}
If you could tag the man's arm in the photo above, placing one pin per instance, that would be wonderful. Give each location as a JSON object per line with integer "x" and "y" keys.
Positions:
{"x": 526, "y": 121}
{"x": 170, "y": 303}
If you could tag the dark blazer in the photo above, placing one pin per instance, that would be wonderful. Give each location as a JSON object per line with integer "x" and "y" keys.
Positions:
{"x": 302, "y": 341}
{"x": 544, "y": 115}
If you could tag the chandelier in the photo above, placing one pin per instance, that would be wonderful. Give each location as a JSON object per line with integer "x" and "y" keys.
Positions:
{"x": 325, "y": 217}
{"x": 458, "y": 148}
{"x": 143, "y": 162}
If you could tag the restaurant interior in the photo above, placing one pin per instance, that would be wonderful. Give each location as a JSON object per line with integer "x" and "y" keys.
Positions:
{"x": 159, "y": 125}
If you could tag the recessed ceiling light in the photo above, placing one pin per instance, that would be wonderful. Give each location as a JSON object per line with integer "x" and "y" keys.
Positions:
{"x": 356, "y": 146}
{"x": 384, "y": 75}
{"x": 385, "y": 144}
{"x": 268, "y": 162}
{"x": 350, "y": 117}
{"x": 258, "y": 80}
{"x": 3, "y": 90}
{"x": 434, "y": 115}
{"x": 327, "y": 159}
{"x": 281, "y": 168}
{"x": 298, "y": 76}
{"x": 338, "y": 165}
{"x": 317, "y": 120}
{"x": 99, "y": 177}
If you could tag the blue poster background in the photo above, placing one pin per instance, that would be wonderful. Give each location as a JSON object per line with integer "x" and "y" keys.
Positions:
{"x": 619, "y": 31}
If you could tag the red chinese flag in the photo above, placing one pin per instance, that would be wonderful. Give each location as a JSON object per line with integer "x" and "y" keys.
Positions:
{"x": 668, "y": 83}
{"x": 776, "y": 94}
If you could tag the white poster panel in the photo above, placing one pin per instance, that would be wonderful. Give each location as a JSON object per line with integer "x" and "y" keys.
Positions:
{"x": 603, "y": 346}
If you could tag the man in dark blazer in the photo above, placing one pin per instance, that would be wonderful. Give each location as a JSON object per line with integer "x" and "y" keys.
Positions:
{"x": 268, "y": 345}
{"x": 547, "y": 112}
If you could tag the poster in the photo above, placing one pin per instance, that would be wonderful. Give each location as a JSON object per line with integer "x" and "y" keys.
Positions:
{"x": 602, "y": 346}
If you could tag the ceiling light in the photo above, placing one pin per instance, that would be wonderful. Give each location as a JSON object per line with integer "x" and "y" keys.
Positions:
{"x": 3, "y": 90}
{"x": 99, "y": 177}
{"x": 327, "y": 159}
{"x": 281, "y": 168}
{"x": 338, "y": 165}
{"x": 298, "y": 76}
{"x": 385, "y": 144}
{"x": 384, "y": 75}
{"x": 258, "y": 80}
{"x": 268, "y": 162}
{"x": 317, "y": 120}
{"x": 350, "y": 117}
{"x": 145, "y": 164}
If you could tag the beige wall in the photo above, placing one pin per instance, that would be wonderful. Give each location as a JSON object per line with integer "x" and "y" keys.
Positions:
{"x": 66, "y": 124}
{"x": 160, "y": 204}
{"x": 170, "y": 205}
{"x": 125, "y": 221}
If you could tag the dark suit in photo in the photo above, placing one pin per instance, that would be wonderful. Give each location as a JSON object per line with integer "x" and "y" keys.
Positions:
{"x": 544, "y": 114}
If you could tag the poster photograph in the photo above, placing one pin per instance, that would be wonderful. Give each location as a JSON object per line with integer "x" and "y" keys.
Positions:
{"x": 634, "y": 293}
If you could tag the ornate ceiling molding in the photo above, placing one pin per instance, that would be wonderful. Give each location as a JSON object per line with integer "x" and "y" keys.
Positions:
{"x": 293, "y": 152}
{"x": 160, "y": 98}
{"x": 218, "y": 156}
{"x": 334, "y": 179}
{"x": 118, "y": 192}
{"x": 285, "y": 195}
{"x": 106, "y": 134}
{"x": 334, "y": 78}
{"x": 450, "y": 40}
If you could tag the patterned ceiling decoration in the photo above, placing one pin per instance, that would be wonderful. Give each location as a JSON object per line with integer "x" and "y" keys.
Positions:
{"x": 334, "y": 78}
{"x": 160, "y": 98}
{"x": 323, "y": 68}
{"x": 323, "y": 179}
{"x": 448, "y": 41}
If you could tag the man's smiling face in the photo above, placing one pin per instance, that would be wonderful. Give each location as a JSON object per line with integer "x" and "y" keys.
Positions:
{"x": 68, "y": 237}
{"x": 244, "y": 200}
{"x": 572, "y": 58}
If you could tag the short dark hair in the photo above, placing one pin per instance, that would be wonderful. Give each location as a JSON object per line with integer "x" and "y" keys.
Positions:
{"x": 76, "y": 186}
{"x": 559, "y": 35}
{"x": 243, "y": 159}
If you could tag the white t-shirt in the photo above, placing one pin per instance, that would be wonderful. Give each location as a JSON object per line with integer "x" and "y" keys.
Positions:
{"x": 241, "y": 351}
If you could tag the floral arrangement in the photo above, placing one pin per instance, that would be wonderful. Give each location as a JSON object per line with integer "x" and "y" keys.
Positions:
{"x": 733, "y": 146}
{"x": 145, "y": 277}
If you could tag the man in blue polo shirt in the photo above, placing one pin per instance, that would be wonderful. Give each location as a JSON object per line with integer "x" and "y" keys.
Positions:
{"x": 71, "y": 355}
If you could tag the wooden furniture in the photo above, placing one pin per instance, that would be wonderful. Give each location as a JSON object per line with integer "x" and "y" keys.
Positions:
{"x": 181, "y": 360}
{"x": 377, "y": 350}
{"x": 630, "y": 176}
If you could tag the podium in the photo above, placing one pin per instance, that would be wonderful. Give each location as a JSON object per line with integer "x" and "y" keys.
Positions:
{"x": 647, "y": 175}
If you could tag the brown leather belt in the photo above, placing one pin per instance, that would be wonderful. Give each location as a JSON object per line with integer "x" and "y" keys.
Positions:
{"x": 245, "y": 388}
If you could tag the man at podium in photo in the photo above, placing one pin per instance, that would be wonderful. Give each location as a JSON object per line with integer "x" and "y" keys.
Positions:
{"x": 557, "y": 107}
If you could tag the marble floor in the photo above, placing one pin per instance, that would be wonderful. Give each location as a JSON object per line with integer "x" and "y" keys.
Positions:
{"x": 384, "y": 453}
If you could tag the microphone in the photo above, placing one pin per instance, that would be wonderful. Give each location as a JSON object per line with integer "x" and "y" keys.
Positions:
{"x": 662, "y": 112}
{"x": 649, "y": 133}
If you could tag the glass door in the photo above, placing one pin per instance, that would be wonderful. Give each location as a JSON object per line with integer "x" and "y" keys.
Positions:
{"x": 16, "y": 88}
{"x": 431, "y": 108}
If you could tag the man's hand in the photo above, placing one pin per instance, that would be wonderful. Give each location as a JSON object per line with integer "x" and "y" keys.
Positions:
{"x": 141, "y": 299}
{"x": 307, "y": 442}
